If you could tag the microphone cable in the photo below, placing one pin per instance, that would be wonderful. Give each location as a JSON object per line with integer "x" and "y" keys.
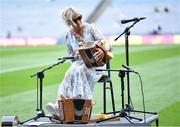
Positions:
{"x": 128, "y": 68}
{"x": 142, "y": 91}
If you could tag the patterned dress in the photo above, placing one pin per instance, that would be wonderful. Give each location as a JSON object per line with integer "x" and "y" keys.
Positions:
{"x": 79, "y": 80}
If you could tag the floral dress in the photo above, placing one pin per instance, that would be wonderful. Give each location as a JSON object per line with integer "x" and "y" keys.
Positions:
{"x": 79, "y": 80}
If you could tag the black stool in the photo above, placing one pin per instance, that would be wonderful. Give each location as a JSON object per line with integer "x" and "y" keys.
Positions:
{"x": 106, "y": 79}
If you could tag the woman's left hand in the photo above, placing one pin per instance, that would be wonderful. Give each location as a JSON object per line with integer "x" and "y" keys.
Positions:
{"x": 77, "y": 55}
{"x": 99, "y": 54}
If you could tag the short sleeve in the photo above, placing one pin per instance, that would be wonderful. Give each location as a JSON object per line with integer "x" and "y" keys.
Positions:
{"x": 96, "y": 33}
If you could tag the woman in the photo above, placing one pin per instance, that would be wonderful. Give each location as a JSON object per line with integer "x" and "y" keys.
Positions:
{"x": 79, "y": 80}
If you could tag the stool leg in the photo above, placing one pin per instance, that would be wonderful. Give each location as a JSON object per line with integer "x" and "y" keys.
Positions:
{"x": 112, "y": 97}
{"x": 157, "y": 123}
{"x": 104, "y": 95}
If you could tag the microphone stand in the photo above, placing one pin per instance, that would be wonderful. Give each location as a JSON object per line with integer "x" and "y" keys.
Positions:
{"x": 122, "y": 112}
{"x": 127, "y": 33}
{"x": 128, "y": 106}
{"x": 40, "y": 76}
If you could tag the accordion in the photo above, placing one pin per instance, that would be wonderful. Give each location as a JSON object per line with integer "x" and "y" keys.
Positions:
{"x": 87, "y": 55}
{"x": 74, "y": 110}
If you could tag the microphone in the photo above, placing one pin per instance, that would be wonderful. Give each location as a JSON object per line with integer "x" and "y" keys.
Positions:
{"x": 129, "y": 69}
{"x": 124, "y": 21}
{"x": 67, "y": 58}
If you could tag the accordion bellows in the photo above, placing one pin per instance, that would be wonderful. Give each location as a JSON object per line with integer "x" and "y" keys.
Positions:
{"x": 74, "y": 110}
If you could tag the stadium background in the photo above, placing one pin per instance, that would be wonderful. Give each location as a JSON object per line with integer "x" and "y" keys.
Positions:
{"x": 31, "y": 38}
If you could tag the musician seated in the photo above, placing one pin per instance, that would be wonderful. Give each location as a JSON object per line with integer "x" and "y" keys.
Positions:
{"x": 79, "y": 80}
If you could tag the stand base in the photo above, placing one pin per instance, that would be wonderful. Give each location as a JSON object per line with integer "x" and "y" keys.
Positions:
{"x": 40, "y": 114}
{"x": 122, "y": 113}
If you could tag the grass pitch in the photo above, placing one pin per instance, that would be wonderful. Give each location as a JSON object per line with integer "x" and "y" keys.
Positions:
{"x": 158, "y": 65}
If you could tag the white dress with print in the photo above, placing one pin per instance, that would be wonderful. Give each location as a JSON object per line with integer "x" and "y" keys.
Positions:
{"x": 79, "y": 80}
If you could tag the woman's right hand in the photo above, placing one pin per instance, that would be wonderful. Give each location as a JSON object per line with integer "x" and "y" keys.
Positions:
{"x": 99, "y": 54}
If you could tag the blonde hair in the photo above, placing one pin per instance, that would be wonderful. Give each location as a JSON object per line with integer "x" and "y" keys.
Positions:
{"x": 68, "y": 14}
